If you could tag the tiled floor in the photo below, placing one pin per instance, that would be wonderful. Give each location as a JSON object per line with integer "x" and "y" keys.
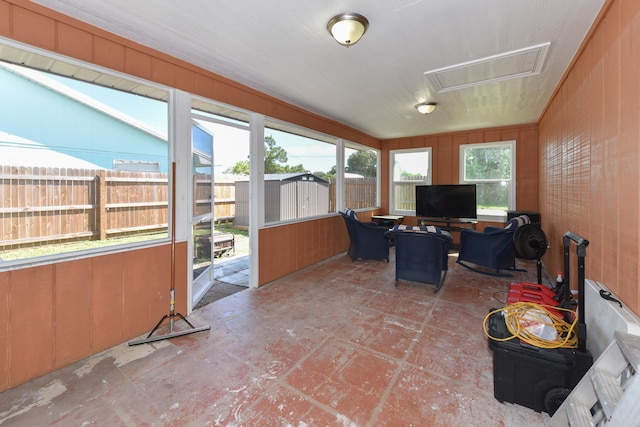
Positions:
{"x": 333, "y": 345}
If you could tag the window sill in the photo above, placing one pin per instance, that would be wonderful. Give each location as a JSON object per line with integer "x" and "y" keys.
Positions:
{"x": 501, "y": 218}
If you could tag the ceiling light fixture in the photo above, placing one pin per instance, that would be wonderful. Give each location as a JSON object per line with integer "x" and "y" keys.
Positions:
{"x": 426, "y": 107}
{"x": 347, "y": 28}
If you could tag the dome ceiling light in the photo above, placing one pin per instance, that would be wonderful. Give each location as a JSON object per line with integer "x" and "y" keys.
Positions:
{"x": 426, "y": 107}
{"x": 347, "y": 28}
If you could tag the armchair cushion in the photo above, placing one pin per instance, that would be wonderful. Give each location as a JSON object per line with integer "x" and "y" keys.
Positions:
{"x": 351, "y": 213}
{"x": 516, "y": 222}
{"x": 417, "y": 228}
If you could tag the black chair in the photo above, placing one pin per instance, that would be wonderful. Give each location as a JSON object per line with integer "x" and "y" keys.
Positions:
{"x": 367, "y": 238}
{"x": 422, "y": 255}
{"x": 492, "y": 249}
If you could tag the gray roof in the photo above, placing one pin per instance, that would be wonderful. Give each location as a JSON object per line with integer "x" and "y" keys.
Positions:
{"x": 289, "y": 177}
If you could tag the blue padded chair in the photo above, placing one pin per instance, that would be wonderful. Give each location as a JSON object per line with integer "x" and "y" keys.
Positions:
{"x": 492, "y": 249}
{"x": 422, "y": 254}
{"x": 367, "y": 238}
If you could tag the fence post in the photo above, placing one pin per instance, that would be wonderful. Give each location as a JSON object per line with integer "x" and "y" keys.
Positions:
{"x": 101, "y": 208}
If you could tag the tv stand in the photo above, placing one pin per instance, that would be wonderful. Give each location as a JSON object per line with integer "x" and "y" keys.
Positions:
{"x": 450, "y": 224}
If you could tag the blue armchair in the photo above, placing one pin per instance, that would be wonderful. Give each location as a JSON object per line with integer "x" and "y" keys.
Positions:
{"x": 422, "y": 254}
{"x": 492, "y": 249}
{"x": 367, "y": 238}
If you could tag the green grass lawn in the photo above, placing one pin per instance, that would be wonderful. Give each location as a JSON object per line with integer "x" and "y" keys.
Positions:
{"x": 241, "y": 244}
{"x": 241, "y": 238}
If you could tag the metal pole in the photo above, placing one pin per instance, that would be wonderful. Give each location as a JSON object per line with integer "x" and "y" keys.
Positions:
{"x": 172, "y": 303}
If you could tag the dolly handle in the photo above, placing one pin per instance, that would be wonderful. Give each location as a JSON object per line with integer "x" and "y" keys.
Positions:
{"x": 581, "y": 250}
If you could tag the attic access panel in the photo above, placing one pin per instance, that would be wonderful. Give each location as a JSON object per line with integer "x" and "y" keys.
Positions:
{"x": 505, "y": 66}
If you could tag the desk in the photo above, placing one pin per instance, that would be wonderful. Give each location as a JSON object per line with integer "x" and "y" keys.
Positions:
{"x": 450, "y": 224}
{"x": 387, "y": 220}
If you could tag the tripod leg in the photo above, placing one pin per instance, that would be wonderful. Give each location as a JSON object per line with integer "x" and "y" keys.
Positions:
{"x": 184, "y": 318}
{"x": 158, "y": 325}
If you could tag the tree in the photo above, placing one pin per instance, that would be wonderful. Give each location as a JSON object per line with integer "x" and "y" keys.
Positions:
{"x": 363, "y": 162}
{"x": 488, "y": 163}
{"x": 240, "y": 168}
{"x": 275, "y": 159}
{"x": 489, "y": 166}
{"x": 408, "y": 176}
{"x": 322, "y": 175}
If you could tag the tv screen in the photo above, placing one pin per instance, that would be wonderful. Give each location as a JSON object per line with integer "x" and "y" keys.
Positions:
{"x": 446, "y": 201}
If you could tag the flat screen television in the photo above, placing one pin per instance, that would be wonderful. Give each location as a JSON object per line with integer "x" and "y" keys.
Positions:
{"x": 446, "y": 201}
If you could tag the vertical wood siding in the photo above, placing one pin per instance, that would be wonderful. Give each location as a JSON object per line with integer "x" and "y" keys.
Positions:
{"x": 590, "y": 155}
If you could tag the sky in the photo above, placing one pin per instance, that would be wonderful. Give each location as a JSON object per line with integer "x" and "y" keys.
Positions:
{"x": 231, "y": 144}
{"x": 416, "y": 163}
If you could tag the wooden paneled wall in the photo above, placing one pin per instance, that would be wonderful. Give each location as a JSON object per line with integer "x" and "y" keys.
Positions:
{"x": 56, "y": 314}
{"x": 446, "y": 160}
{"x": 590, "y": 154}
{"x": 288, "y": 248}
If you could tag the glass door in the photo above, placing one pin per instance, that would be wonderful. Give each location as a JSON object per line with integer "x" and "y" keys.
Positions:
{"x": 220, "y": 239}
{"x": 202, "y": 182}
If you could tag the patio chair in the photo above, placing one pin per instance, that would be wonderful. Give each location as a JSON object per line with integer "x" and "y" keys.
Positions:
{"x": 367, "y": 239}
{"x": 422, "y": 254}
{"x": 492, "y": 250}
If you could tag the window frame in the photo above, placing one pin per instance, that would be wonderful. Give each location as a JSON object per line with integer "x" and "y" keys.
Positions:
{"x": 342, "y": 204}
{"x": 140, "y": 87}
{"x": 270, "y": 124}
{"x": 511, "y": 196}
{"x": 429, "y": 175}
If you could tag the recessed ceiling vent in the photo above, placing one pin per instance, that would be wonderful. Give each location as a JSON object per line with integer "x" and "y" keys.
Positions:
{"x": 504, "y": 66}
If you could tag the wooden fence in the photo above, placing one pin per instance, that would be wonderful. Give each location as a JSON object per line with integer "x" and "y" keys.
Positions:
{"x": 43, "y": 205}
{"x": 405, "y": 193}
{"x": 224, "y": 196}
{"x": 40, "y": 205}
{"x": 358, "y": 193}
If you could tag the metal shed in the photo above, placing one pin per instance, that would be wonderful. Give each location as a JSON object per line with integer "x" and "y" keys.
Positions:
{"x": 287, "y": 196}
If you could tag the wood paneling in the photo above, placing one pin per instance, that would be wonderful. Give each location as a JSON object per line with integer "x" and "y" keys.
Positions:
{"x": 590, "y": 155}
{"x": 291, "y": 247}
{"x": 31, "y": 331}
{"x": 60, "y": 313}
{"x": 73, "y": 312}
{"x": 5, "y": 323}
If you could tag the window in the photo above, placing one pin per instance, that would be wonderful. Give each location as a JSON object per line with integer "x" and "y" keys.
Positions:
{"x": 91, "y": 172}
{"x": 299, "y": 173}
{"x": 491, "y": 166}
{"x": 360, "y": 177}
{"x": 408, "y": 169}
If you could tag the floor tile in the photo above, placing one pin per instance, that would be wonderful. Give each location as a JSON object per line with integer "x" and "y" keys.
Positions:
{"x": 335, "y": 344}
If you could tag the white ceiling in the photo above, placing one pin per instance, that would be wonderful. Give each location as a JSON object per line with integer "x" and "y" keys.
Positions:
{"x": 283, "y": 48}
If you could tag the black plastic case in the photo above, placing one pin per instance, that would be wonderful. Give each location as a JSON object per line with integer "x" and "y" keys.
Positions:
{"x": 538, "y": 378}
{"x": 530, "y": 376}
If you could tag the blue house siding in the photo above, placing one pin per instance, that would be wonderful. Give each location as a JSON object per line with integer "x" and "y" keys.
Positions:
{"x": 66, "y": 125}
